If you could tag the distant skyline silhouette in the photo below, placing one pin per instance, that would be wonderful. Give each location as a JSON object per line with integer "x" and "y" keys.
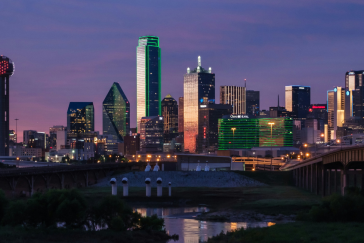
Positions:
{"x": 66, "y": 51}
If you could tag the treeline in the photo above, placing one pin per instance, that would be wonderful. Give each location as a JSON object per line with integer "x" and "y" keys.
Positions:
{"x": 69, "y": 209}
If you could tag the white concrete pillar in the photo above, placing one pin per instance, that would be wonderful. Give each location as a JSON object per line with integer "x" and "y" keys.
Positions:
{"x": 125, "y": 187}
{"x": 159, "y": 187}
{"x": 114, "y": 187}
{"x": 170, "y": 189}
{"x": 162, "y": 167}
{"x": 148, "y": 187}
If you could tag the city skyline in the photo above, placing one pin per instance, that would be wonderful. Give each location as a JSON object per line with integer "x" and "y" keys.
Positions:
{"x": 50, "y": 74}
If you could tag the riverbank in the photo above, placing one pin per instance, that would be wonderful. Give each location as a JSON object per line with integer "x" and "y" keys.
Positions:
{"x": 296, "y": 232}
{"x": 21, "y": 235}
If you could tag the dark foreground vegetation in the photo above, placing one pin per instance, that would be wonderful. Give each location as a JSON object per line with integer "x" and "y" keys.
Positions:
{"x": 336, "y": 219}
{"x": 69, "y": 215}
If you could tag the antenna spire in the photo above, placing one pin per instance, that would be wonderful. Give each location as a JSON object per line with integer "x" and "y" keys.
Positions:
{"x": 199, "y": 61}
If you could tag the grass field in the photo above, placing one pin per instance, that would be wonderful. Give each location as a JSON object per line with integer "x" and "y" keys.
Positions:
{"x": 299, "y": 232}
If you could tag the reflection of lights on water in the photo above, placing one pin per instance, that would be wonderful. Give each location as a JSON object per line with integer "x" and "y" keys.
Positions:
{"x": 270, "y": 224}
{"x": 203, "y": 225}
{"x": 233, "y": 226}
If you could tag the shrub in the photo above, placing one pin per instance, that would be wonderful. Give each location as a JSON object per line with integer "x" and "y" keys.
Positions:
{"x": 151, "y": 223}
{"x": 15, "y": 214}
{"x": 3, "y": 204}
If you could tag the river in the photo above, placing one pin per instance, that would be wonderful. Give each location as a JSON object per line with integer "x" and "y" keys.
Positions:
{"x": 181, "y": 221}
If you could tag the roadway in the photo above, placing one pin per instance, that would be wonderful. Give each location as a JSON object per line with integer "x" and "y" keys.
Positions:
{"x": 26, "y": 164}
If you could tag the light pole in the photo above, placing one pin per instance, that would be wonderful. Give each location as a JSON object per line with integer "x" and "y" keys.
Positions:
{"x": 271, "y": 144}
{"x": 341, "y": 144}
{"x": 16, "y": 130}
{"x": 233, "y": 129}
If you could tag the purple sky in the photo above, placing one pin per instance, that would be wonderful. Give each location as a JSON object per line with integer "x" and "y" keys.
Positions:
{"x": 73, "y": 50}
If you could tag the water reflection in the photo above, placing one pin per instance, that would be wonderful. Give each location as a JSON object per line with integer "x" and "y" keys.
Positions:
{"x": 180, "y": 221}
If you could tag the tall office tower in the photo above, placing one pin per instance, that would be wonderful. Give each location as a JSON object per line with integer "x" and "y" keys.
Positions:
{"x": 116, "y": 113}
{"x": 357, "y": 103}
{"x": 234, "y": 96}
{"x": 151, "y": 134}
{"x": 335, "y": 110}
{"x": 148, "y": 78}
{"x": 252, "y": 102}
{"x": 353, "y": 79}
{"x": 34, "y": 139}
{"x": 12, "y": 136}
{"x": 298, "y": 100}
{"x": 6, "y": 70}
{"x": 52, "y": 141}
{"x": 208, "y": 131}
{"x": 170, "y": 116}
{"x": 80, "y": 117}
{"x": 198, "y": 87}
{"x": 180, "y": 115}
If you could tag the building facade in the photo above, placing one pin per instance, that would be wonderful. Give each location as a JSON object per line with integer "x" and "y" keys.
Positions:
{"x": 52, "y": 142}
{"x": 199, "y": 87}
{"x": 208, "y": 131}
{"x": 180, "y": 115}
{"x": 148, "y": 78}
{"x": 298, "y": 100}
{"x": 252, "y": 103}
{"x": 335, "y": 111}
{"x": 234, "y": 96}
{"x": 353, "y": 79}
{"x": 151, "y": 134}
{"x": 116, "y": 113}
{"x": 170, "y": 117}
{"x": 6, "y": 70}
{"x": 80, "y": 117}
{"x": 246, "y": 133}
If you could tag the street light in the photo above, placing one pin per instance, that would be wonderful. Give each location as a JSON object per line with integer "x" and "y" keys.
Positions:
{"x": 338, "y": 141}
{"x": 233, "y": 129}
{"x": 271, "y": 145}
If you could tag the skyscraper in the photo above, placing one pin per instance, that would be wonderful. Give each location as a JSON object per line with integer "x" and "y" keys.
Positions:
{"x": 199, "y": 87}
{"x": 148, "y": 78}
{"x": 170, "y": 116}
{"x": 252, "y": 103}
{"x": 6, "y": 70}
{"x": 151, "y": 134}
{"x": 335, "y": 110}
{"x": 298, "y": 100}
{"x": 116, "y": 113}
{"x": 80, "y": 117}
{"x": 234, "y": 96}
{"x": 353, "y": 79}
{"x": 180, "y": 115}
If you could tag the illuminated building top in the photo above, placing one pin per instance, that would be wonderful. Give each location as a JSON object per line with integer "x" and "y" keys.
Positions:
{"x": 6, "y": 66}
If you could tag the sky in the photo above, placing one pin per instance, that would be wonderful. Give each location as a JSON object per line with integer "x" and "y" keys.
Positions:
{"x": 73, "y": 50}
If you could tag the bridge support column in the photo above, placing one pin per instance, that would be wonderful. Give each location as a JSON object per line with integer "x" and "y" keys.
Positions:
{"x": 30, "y": 181}
{"x": 86, "y": 178}
{"x": 47, "y": 179}
{"x": 12, "y": 183}
{"x": 335, "y": 182}
{"x": 343, "y": 181}
{"x": 355, "y": 185}
{"x": 296, "y": 177}
{"x": 329, "y": 182}
{"x": 316, "y": 180}
{"x": 306, "y": 178}
{"x": 311, "y": 178}
{"x": 362, "y": 178}
{"x": 323, "y": 180}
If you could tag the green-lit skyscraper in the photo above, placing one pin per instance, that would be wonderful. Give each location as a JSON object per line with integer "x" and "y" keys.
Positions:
{"x": 148, "y": 78}
{"x": 116, "y": 113}
{"x": 80, "y": 117}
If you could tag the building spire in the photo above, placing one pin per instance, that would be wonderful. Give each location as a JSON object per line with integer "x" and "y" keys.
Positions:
{"x": 199, "y": 61}
{"x": 245, "y": 83}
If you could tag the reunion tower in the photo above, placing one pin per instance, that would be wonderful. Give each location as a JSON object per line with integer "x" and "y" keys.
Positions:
{"x": 6, "y": 70}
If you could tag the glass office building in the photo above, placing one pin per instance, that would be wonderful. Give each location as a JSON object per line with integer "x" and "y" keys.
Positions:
{"x": 151, "y": 134}
{"x": 148, "y": 78}
{"x": 170, "y": 116}
{"x": 353, "y": 79}
{"x": 80, "y": 117}
{"x": 198, "y": 87}
{"x": 234, "y": 96}
{"x": 116, "y": 113}
{"x": 6, "y": 70}
{"x": 252, "y": 103}
{"x": 297, "y": 100}
{"x": 180, "y": 115}
{"x": 246, "y": 133}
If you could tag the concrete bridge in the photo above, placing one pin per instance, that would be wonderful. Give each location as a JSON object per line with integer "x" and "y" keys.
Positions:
{"x": 38, "y": 179}
{"x": 330, "y": 172}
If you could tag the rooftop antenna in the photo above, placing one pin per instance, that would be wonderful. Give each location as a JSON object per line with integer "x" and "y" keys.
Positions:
{"x": 278, "y": 103}
{"x": 245, "y": 83}
{"x": 199, "y": 61}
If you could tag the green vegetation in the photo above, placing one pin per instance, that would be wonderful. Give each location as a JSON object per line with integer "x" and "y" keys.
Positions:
{"x": 6, "y": 166}
{"x": 300, "y": 232}
{"x": 68, "y": 211}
